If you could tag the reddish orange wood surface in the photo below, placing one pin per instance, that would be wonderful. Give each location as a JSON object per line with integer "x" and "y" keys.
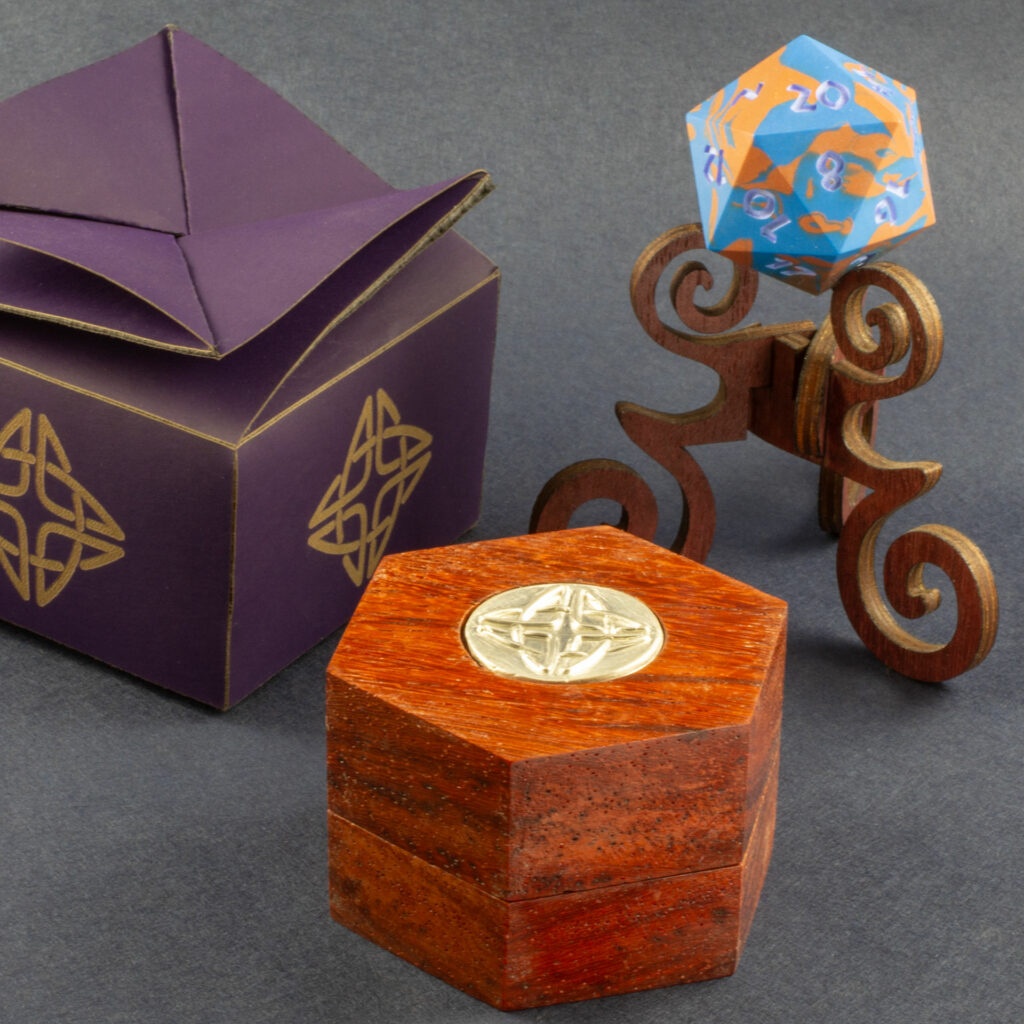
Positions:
{"x": 758, "y": 854}
{"x": 529, "y": 789}
{"x": 567, "y": 947}
{"x": 403, "y": 644}
{"x": 764, "y": 738}
{"x": 534, "y": 842}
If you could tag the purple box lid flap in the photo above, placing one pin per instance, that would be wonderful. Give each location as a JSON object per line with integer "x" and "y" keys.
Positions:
{"x": 202, "y": 195}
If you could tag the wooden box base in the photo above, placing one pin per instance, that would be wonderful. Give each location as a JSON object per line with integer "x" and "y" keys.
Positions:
{"x": 516, "y": 954}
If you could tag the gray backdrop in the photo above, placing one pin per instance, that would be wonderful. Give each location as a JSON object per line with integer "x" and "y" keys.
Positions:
{"x": 164, "y": 863}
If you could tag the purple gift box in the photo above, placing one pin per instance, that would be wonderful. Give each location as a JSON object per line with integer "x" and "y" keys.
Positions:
{"x": 236, "y": 367}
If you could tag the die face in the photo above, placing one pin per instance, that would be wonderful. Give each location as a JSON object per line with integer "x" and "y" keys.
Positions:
{"x": 808, "y": 164}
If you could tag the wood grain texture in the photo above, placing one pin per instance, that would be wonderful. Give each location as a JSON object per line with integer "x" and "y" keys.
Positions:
{"x": 428, "y": 916}
{"x": 743, "y": 361}
{"x": 572, "y": 487}
{"x": 631, "y": 812}
{"x": 422, "y": 789}
{"x": 764, "y": 740}
{"x": 527, "y": 789}
{"x": 560, "y": 948}
{"x": 814, "y": 394}
{"x": 741, "y": 358}
{"x": 721, "y": 636}
{"x": 909, "y": 330}
{"x": 758, "y": 853}
{"x": 775, "y": 413}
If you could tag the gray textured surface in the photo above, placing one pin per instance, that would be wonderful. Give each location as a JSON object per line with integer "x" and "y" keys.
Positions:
{"x": 163, "y": 863}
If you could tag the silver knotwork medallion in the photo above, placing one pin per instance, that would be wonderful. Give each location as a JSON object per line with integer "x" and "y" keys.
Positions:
{"x": 563, "y": 633}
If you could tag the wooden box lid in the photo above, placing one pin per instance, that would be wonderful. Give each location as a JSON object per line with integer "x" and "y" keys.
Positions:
{"x": 527, "y": 788}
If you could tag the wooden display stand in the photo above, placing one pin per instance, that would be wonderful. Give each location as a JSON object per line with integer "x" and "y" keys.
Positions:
{"x": 812, "y": 392}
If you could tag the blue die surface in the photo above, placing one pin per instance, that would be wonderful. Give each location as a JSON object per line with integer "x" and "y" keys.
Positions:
{"x": 809, "y": 164}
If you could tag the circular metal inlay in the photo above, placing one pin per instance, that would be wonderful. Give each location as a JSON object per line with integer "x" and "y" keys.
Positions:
{"x": 563, "y": 633}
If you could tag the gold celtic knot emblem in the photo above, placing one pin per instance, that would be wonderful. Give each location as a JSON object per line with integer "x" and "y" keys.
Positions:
{"x": 382, "y": 448}
{"x": 81, "y": 533}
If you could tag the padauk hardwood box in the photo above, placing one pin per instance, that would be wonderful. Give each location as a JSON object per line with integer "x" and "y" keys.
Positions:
{"x": 537, "y": 842}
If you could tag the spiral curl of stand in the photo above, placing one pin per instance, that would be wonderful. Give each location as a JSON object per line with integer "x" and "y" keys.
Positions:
{"x": 841, "y": 370}
{"x": 908, "y": 328}
{"x": 664, "y": 436}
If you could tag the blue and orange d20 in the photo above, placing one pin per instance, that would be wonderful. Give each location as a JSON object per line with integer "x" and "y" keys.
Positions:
{"x": 809, "y": 164}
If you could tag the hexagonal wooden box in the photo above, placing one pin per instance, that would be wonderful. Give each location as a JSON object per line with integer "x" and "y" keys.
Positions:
{"x": 541, "y": 842}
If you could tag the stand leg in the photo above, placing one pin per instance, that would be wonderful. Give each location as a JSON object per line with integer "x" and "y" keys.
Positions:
{"x": 815, "y": 394}
{"x": 909, "y": 328}
{"x": 742, "y": 359}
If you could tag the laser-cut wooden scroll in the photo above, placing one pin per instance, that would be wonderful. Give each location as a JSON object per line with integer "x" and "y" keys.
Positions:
{"x": 812, "y": 392}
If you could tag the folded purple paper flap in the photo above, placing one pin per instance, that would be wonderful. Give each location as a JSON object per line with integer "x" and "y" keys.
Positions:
{"x": 150, "y": 264}
{"x": 164, "y": 513}
{"x": 252, "y": 274}
{"x": 247, "y": 153}
{"x": 451, "y": 258}
{"x": 100, "y": 142}
{"x": 169, "y": 171}
{"x": 80, "y": 299}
